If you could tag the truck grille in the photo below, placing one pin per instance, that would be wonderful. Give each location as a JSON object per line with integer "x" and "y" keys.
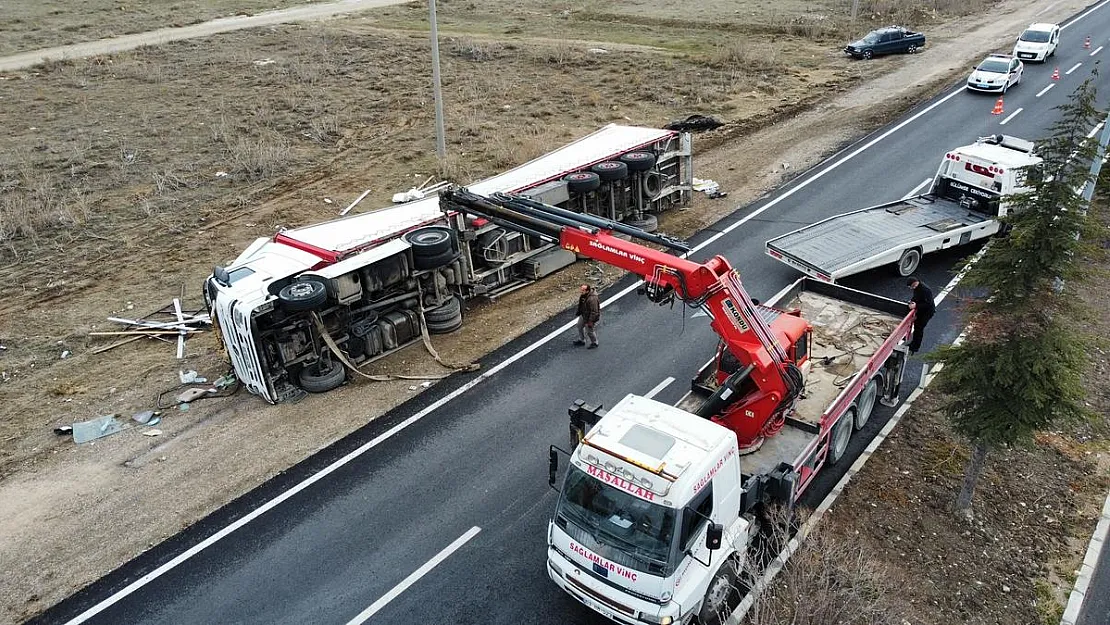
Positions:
{"x": 598, "y": 597}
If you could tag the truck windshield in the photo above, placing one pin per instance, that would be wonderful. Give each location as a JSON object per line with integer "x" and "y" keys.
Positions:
{"x": 619, "y": 526}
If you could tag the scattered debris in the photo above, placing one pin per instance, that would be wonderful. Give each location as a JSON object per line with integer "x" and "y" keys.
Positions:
{"x": 144, "y": 417}
{"x": 597, "y": 51}
{"x": 193, "y": 394}
{"x": 65, "y": 354}
{"x": 152, "y": 432}
{"x": 695, "y": 123}
{"x": 183, "y": 407}
{"x": 63, "y": 430}
{"x": 264, "y": 62}
{"x": 225, "y": 381}
{"x": 353, "y": 204}
{"x": 170, "y": 320}
{"x": 709, "y": 187}
{"x": 327, "y": 200}
{"x": 418, "y": 193}
{"x": 99, "y": 427}
{"x": 190, "y": 377}
{"x": 222, "y": 174}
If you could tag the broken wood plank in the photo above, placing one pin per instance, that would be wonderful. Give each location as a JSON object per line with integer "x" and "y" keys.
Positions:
{"x": 147, "y": 332}
{"x": 180, "y": 320}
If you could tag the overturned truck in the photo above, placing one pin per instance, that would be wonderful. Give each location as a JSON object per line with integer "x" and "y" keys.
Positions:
{"x": 367, "y": 285}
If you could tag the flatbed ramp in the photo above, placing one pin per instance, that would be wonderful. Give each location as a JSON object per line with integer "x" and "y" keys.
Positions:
{"x": 833, "y": 246}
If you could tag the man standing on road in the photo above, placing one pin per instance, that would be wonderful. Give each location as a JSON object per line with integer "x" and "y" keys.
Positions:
{"x": 589, "y": 313}
{"x": 922, "y": 302}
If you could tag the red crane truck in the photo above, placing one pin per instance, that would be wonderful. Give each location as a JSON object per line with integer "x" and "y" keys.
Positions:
{"x": 659, "y": 504}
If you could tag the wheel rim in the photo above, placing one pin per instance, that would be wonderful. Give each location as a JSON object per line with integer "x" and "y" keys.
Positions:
{"x": 431, "y": 238}
{"x": 908, "y": 263}
{"x": 866, "y": 403}
{"x": 841, "y": 435}
{"x": 301, "y": 290}
{"x": 717, "y": 593}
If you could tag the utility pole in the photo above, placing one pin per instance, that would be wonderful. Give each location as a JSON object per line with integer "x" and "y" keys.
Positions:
{"x": 437, "y": 92}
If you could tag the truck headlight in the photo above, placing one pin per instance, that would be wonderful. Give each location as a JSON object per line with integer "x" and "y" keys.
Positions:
{"x": 666, "y": 596}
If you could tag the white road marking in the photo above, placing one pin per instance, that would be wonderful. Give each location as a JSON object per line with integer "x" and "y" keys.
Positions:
{"x": 659, "y": 387}
{"x": 1095, "y": 51}
{"x": 1045, "y": 90}
{"x": 412, "y": 579}
{"x": 1010, "y": 116}
{"x": 1073, "y": 68}
{"x": 917, "y": 189}
{"x": 328, "y": 470}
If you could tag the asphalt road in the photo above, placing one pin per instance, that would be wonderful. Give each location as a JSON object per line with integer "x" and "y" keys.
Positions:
{"x": 443, "y": 519}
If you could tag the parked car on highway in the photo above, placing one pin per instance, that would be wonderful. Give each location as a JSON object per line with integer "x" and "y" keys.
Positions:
{"x": 1038, "y": 42}
{"x": 890, "y": 40}
{"x": 997, "y": 73}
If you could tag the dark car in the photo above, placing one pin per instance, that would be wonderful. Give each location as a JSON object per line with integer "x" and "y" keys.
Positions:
{"x": 886, "y": 41}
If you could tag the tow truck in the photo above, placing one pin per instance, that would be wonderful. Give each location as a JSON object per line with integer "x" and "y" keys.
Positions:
{"x": 660, "y": 504}
{"x": 967, "y": 197}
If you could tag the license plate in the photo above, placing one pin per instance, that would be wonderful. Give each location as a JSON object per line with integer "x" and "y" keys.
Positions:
{"x": 597, "y": 607}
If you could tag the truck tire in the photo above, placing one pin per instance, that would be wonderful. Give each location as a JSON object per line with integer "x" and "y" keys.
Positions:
{"x": 445, "y": 327}
{"x": 322, "y": 376}
{"x": 447, "y": 311}
{"x": 446, "y": 257}
{"x": 841, "y": 435}
{"x": 582, "y": 182}
{"x": 430, "y": 241}
{"x": 908, "y": 263}
{"x": 865, "y": 403}
{"x": 303, "y": 295}
{"x": 715, "y": 607}
{"x": 638, "y": 161}
{"x": 647, "y": 223}
{"x": 609, "y": 171}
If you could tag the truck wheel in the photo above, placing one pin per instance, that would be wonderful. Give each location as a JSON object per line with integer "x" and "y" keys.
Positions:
{"x": 322, "y": 376}
{"x": 446, "y": 318}
{"x": 609, "y": 171}
{"x": 908, "y": 263}
{"x": 841, "y": 435}
{"x": 868, "y": 54}
{"x": 715, "y": 606}
{"x": 583, "y": 182}
{"x": 648, "y": 223}
{"x": 430, "y": 241}
{"x": 638, "y": 161}
{"x": 303, "y": 295}
{"x": 865, "y": 404}
{"x": 442, "y": 259}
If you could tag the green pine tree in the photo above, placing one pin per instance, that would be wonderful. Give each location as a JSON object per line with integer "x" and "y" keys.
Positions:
{"x": 1019, "y": 368}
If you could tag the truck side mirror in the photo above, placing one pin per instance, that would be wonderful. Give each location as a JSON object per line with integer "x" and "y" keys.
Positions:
{"x": 221, "y": 275}
{"x": 713, "y": 535}
{"x": 552, "y": 466}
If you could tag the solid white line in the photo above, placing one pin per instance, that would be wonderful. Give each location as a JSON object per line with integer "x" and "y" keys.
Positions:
{"x": 269, "y": 505}
{"x": 1091, "y": 10}
{"x": 916, "y": 189}
{"x": 1095, "y": 51}
{"x": 1010, "y": 116}
{"x": 412, "y": 579}
{"x": 1045, "y": 90}
{"x": 1073, "y": 68}
{"x": 659, "y": 387}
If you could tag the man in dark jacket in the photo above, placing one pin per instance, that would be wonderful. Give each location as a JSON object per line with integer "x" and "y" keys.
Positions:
{"x": 589, "y": 313}
{"x": 922, "y": 302}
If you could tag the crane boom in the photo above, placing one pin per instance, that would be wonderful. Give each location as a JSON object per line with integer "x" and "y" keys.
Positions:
{"x": 756, "y": 393}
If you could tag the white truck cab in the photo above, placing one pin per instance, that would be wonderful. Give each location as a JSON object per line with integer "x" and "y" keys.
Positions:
{"x": 647, "y": 528}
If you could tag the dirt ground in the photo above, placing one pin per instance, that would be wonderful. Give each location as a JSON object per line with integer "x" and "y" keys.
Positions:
{"x": 126, "y": 178}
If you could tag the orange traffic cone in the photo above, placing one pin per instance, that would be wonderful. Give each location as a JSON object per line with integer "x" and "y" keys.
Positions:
{"x": 997, "y": 107}
{"x": 1056, "y": 74}
{"x": 1087, "y": 42}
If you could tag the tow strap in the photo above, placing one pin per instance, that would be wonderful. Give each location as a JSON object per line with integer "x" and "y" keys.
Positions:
{"x": 390, "y": 377}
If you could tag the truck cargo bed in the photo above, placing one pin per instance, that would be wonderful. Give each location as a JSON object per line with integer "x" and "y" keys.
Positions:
{"x": 856, "y": 241}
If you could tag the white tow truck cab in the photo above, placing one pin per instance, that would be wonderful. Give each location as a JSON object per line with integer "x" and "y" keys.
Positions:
{"x": 648, "y": 516}
{"x": 968, "y": 195}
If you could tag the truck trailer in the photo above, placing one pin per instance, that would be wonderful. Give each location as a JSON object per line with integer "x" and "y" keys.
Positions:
{"x": 296, "y": 309}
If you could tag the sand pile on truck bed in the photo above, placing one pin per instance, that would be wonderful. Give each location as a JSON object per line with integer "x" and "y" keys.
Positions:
{"x": 845, "y": 336}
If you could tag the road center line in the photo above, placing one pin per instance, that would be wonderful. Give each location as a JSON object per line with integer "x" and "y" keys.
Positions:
{"x": 1073, "y": 68}
{"x": 659, "y": 387}
{"x": 1045, "y": 90}
{"x": 331, "y": 468}
{"x": 412, "y": 579}
{"x": 1010, "y": 116}
{"x": 917, "y": 189}
{"x": 1095, "y": 51}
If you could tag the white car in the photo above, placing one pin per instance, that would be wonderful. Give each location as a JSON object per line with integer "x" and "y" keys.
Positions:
{"x": 997, "y": 72}
{"x": 1038, "y": 42}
